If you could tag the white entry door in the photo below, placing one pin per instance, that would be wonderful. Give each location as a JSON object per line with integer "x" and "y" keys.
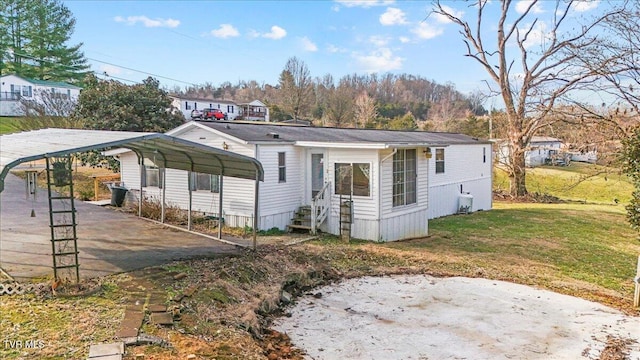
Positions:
{"x": 317, "y": 173}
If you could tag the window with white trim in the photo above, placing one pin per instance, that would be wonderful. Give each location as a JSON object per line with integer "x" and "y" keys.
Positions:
{"x": 439, "y": 161}
{"x": 353, "y": 178}
{"x": 404, "y": 177}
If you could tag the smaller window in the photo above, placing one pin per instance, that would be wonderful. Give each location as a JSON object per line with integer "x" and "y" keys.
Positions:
{"x": 205, "y": 182}
{"x": 439, "y": 161}
{"x": 153, "y": 177}
{"x": 282, "y": 168}
{"x": 230, "y": 108}
{"x": 195, "y": 105}
{"x": 26, "y": 91}
{"x": 187, "y": 106}
{"x": 484, "y": 154}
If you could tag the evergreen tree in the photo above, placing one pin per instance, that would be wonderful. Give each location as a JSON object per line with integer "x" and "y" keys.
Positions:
{"x": 35, "y": 33}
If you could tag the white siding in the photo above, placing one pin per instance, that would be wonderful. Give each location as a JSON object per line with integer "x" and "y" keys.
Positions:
{"x": 10, "y": 103}
{"x": 187, "y": 105}
{"x": 365, "y": 208}
{"x": 279, "y": 200}
{"x": 408, "y": 221}
{"x": 467, "y": 170}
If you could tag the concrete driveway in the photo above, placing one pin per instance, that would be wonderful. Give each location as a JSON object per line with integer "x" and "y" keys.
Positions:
{"x": 109, "y": 241}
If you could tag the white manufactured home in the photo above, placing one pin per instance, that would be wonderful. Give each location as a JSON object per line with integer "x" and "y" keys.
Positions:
{"x": 19, "y": 95}
{"x": 392, "y": 181}
{"x": 188, "y": 104}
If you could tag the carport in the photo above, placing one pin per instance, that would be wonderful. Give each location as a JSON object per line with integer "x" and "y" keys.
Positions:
{"x": 167, "y": 152}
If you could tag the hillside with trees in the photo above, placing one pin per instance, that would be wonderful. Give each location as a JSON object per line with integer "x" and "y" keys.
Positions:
{"x": 386, "y": 101}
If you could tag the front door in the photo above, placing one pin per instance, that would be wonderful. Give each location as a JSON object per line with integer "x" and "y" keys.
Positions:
{"x": 317, "y": 173}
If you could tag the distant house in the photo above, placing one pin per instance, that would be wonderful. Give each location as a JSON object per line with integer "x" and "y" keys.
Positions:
{"x": 542, "y": 150}
{"x": 255, "y": 111}
{"x": 187, "y": 105}
{"x": 19, "y": 94}
{"x": 384, "y": 184}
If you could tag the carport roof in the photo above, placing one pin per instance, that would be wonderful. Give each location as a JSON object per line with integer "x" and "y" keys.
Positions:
{"x": 168, "y": 151}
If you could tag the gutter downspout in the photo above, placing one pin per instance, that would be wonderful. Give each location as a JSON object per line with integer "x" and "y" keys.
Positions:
{"x": 395, "y": 150}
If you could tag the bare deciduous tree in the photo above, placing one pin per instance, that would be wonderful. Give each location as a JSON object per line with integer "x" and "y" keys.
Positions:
{"x": 365, "y": 109}
{"x": 47, "y": 103}
{"x": 530, "y": 58}
{"x": 296, "y": 88}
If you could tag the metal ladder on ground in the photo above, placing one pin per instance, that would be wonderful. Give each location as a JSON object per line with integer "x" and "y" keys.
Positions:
{"x": 62, "y": 218}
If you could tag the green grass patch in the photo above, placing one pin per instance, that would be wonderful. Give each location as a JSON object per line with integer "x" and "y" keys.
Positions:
{"x": 577, "y": 182}
{"x": 590, "y": 243}
{"x": 8, "y": 124}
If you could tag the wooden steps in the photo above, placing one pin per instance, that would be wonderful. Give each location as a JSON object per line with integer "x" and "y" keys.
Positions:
{"x": 301, "y": 219}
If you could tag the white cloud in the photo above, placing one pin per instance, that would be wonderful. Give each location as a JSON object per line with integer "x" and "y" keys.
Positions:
{"x": 523, "y": 5}
{"x": 364, "y": 3}
{"x": 427, "y": 31}
{"x": 404, "y": 39}
{"x": 225, "y": 31}
{"x": 334, "y": 49}
{"x": 393, "y": 16}
{"x": 379, "y": 61}
{"x": 445, "y": 20}
{"x": 379, "y": 41}
{"x": 158, "y": 22}
{"x": 583, "y": 6}
{"x": 308, "y": 45}
{"x": 537, "y": 36}
{"x": 276, "y": 33}
{"x": 110, "y": 69}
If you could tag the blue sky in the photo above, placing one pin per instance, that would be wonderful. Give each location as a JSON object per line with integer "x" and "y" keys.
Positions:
{"x": 195, "y": 42}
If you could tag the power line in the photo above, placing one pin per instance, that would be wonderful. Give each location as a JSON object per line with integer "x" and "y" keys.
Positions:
{"x": 142, "y": 72}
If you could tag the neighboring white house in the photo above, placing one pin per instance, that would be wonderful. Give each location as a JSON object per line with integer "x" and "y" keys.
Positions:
{"x": 397, "y": 180}
{"x": 542, "y": 150}
{"x": 53, "y": 97}
{"x": 187, "y": 104}
{"x": 255, "y": 111}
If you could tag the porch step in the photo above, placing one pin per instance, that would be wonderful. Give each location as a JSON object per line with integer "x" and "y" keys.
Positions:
{"x": 301, "y": 227}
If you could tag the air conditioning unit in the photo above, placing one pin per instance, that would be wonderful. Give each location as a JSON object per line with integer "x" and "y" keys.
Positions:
{"x": 465, "y": 203}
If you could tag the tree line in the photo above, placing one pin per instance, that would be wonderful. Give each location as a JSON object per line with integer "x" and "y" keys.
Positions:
{"x": 387, "y": 101}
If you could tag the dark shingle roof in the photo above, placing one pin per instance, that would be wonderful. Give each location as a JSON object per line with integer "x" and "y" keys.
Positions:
{"x": 263, "y": 132}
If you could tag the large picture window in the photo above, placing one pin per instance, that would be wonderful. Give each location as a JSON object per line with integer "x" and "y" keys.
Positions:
{"x": 439, "y": 161}
{"x": 353, "y": 179}
{"x": 404, "y": 177}
{"x": 205, "y": 182}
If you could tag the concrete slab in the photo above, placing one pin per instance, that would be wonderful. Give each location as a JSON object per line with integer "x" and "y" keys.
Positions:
{"x": 103, "y": 350}
{"x": 109, "y": 241}
{"x": 130, "y": 325}
{"x": 162, "y": 318}
{"x": 423, "y": 317}
{"x": 157, "y": 308}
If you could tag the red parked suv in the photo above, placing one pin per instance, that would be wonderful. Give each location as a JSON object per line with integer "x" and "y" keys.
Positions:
{"x": 208, "y": 114}
{"x": 213, "y": 114}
